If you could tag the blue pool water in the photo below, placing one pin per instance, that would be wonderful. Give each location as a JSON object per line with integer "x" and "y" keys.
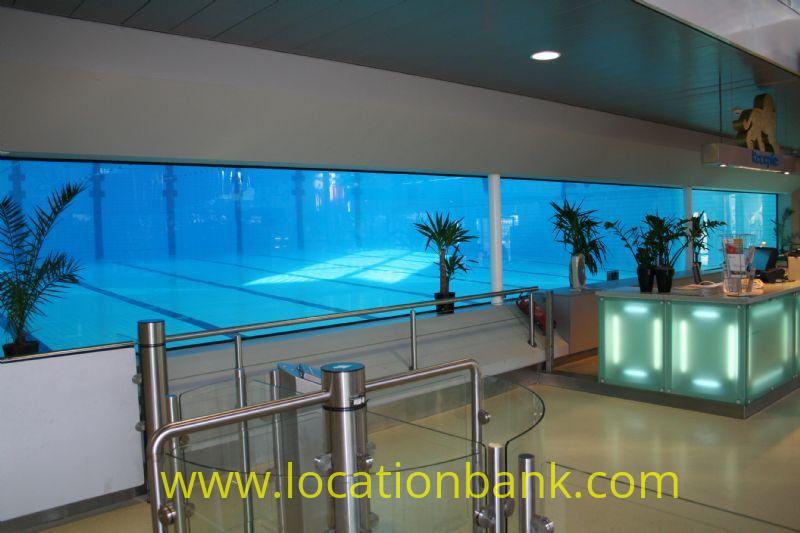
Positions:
{"x": 206, "y": 247}
{"x": 193, "y": 294}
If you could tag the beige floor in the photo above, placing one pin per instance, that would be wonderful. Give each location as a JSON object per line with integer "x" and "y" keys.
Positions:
{"x": 735, "y": 475}
{"x": 586, "y": 366}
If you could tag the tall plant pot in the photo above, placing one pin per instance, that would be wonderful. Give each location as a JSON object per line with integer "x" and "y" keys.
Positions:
{"x": 445, "y": 309}
{"x": 29, "y": 348}
{"x": 696, "y": 276}
{"x": 646, "y": 277}
{"x": 664, "y": 279}
{"x": 577, "y": 272}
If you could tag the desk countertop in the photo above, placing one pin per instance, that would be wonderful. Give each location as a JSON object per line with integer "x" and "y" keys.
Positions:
{"x": 771, "y": 290}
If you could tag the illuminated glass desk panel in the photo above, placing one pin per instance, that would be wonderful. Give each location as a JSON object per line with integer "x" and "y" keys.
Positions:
{"x": 732, "y": 350}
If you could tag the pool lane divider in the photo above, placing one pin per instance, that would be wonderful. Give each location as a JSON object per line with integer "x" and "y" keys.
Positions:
{"x": 202, "y": 324}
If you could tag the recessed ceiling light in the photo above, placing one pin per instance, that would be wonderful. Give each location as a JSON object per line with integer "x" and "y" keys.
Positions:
{"x": 723, "y": 165}
{"x": 786, "y": 172}
{"x": 546, "y": 55}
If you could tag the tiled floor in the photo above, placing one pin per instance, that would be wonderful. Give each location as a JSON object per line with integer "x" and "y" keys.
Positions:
{"x": 735, "y": 475}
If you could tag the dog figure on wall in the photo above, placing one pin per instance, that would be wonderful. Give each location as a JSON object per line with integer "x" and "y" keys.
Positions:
{"x": 756, "y": 127}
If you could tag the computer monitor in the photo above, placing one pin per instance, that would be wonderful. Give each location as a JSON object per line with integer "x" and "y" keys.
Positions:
{"x": 765, "y": 258}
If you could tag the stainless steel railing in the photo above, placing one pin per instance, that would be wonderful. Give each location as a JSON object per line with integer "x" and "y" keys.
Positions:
{"x": 237, "y": 330}
{"x": 164, "y": 515}
{"x": 162, "y": 426}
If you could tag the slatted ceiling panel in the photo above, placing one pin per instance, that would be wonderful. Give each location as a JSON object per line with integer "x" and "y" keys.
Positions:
{"x": 259, "y": 26}
{"x": 164, "y": 15}
{"x": 52, "y": 7}
{"x": 618, "y": 55}
{"x": 327, "y": 22}
{"x": 220, "y": 16}
{"x": 386, "y": 30}
{"x": 111, "y": 12}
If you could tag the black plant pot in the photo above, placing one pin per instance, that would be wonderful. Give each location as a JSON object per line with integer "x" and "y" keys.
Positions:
{"x": 646, "y": 277}
{"x": 444, "y": 309}
{"x": 12, "y": 349}
{"x": 696, "y": 277}
{"x": 664, "y": 279}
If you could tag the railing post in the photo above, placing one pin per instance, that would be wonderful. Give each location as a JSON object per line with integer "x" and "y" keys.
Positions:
{"x": 177, "y": 465}
{"x": 529, "y": 521}
{"x": 346, "y": 424}
{"x": 153, "y": 355}
{"x": 531, "y": 320}
{"x": 495, "y": 516}
{"x": 413, "y": 324}
{"x": 550, "y": 332}
{"x": 527, "y": 493}
{"x": 244, "y": 434}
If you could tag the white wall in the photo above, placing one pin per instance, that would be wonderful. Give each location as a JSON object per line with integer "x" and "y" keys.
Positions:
{"x": 80, "y": 89}
{"x": 67, "y": 430}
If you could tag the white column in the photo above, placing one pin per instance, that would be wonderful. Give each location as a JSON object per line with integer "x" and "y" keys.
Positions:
{"x": 495, "y": 236}
{"x": 688, "y": 212}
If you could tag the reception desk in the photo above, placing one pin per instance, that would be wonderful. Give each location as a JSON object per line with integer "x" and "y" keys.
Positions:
{"x": 732, "y": 350}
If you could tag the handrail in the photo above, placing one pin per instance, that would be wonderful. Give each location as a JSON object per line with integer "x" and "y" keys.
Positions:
{"x": 336, "y": 316}
{"x": 273, "y": 324}
{"x": 172, "y": 430}
{"x": 69, "y": 351}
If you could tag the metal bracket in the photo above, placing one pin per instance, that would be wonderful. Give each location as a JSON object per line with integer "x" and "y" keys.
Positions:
{"x": 485, "y": 518}
{"x": 167, "y": 514}
{"x": 484, "y": 417}
{"x": 323, "y": 463}
{"x": 542, "y": 524}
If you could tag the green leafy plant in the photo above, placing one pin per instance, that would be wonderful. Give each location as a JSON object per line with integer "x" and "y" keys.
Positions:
{"x": 783, "y": 237}
{"x": 30, "y": 278}
{"x": 578, "y": 230}
{"x": 633, "y": 240}
{"x": 447, "y": 235}
{"x": 660, "y": 236}
{"x": 698, "y": 229}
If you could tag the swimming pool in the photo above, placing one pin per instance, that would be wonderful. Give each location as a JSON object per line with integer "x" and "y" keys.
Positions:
{"x": 204, "y": 246}
{"x": 197, "y": 294}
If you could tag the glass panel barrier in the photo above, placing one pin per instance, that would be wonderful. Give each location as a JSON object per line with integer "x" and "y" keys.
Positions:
{"x": 409, "y": 453}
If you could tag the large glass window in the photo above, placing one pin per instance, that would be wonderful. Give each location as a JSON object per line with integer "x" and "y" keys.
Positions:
{"x": 745, "y": 213}
{"x": 208, "y": 246}
{"x": 532, "y": 256}
{"x": 204, "y": 246}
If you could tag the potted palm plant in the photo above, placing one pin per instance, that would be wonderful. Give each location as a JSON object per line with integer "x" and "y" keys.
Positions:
{"x": 577, "y": 229}
{"x": 31, "y": 278}
{"x": 660, "y": 237}
{"x": 447, "y": 235}
{"x": 633, "y": 240}
{"x": 698, "y": 229}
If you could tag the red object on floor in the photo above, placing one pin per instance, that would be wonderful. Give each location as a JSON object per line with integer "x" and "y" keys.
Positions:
{"x": 539, "y": 316}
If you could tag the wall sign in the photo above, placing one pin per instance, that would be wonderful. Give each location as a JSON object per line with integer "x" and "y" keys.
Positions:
{"x": 728, "y": 155}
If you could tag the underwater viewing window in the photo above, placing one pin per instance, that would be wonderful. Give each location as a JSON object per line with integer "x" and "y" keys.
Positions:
{"x": 205, "y": 246}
